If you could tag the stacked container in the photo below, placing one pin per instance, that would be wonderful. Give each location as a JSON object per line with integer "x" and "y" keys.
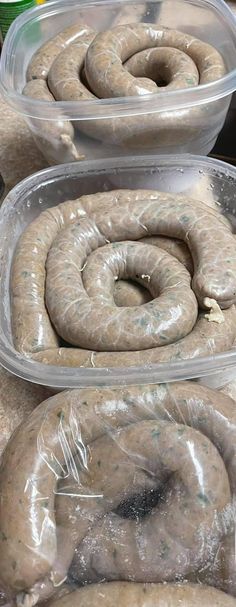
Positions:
{"x": 168, "y": 112}
{"x": 120, "y": 491}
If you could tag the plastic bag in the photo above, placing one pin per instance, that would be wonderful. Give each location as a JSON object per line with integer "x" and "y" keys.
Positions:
{"x": 122, "y": 488}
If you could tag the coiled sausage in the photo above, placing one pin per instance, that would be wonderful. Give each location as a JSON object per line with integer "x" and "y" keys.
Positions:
{"x": 177, "y": 63}
{"x": 170, "y": 315}
{"x": 35, "y": 553}
{"x": 109, "y": 50}
{"x": 63, "y": 238}
{"x": 134, "y": 59}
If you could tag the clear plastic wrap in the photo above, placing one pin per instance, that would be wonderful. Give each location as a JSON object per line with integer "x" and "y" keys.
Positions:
{"x": 17, "y": 400}
{"x": 162, "y": 85}
{"x": 76, "y": 271}
{"x": 122, "y": 496}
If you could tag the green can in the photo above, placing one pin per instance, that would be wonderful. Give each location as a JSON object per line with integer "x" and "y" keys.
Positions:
{"x": 9, "y": 10}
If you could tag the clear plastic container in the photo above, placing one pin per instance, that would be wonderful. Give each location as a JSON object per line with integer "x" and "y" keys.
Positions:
{"x": 163, "y": 118}
{"x": 195, "y": 176}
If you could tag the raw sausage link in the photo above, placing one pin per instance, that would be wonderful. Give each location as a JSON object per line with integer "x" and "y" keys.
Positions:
{"x": 147, "y": 52}
{"x": 142, "y": 595}
{"x": 174, "y": 247}
{"x": 56, "y": 135}
{"x": 53, "y": 442}
{"x": 161, "y": 557}
{"x": 172, "y": 65}
{"x": 127, "y": 293}
{"x": 109, "y": 50}
{"x": 206, "y": 338}
{"x": 93, "y": 221}
{"x": 118, "y": 548}
{"x": 42, "y": 60}
{"x": 64, "y": 79}
{"x": 175, "y": 68}
{"x": 129, "y": 39}
{"x": 30, "y": 259}
{"x": 168, "y": 317}
{"x": 174, "y": 216}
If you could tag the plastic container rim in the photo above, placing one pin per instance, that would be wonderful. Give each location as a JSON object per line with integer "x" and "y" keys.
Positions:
{"x": 74, "y": 377}
{"x": 103, "y": 108}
